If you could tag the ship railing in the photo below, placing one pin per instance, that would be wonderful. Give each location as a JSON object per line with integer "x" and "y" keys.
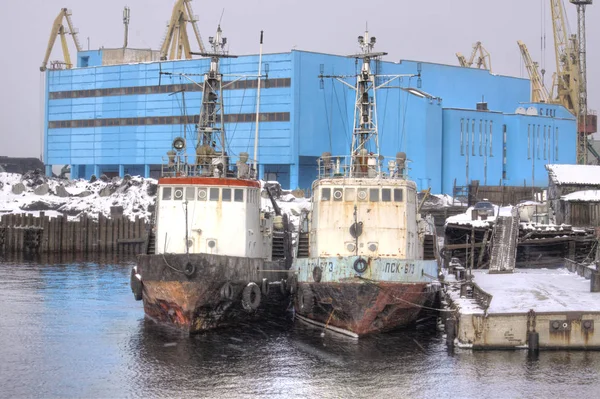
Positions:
{"x": 206, "y": 166}
{"x": 369, "y": 166}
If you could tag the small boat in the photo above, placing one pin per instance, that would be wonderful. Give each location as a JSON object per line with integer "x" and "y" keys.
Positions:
{"x": 215, "y": 257}
{"x": 371, "y": 260}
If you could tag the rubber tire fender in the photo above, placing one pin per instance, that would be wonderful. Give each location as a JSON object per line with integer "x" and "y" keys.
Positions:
{"x": 305, "y": 300}
{"x": 227, "y": 291}
{"x": 136, "y": 285}
{"x": 251, "y": 297}
{"x": 264, "y": 287}
{"x": 283, "y": 287}
{"x": 292, "y": 284}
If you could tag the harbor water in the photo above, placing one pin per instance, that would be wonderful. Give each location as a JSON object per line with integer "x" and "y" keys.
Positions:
{"x": 71, "y": 328}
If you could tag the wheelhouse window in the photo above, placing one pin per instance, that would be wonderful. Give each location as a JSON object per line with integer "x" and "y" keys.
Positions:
{"x": 166, "y": 193}
{"x": 202, "y": 194}
{"x": 386, "y": 195}
{"x": 190, "y": 193}
{"x": 374, "y": 194}
{"x": 350, "y": 194}
{"x": 214, "y": 194}
{"x": 238, "y": 195}
{"x": 226, "y": 194}
{"x": 338, "y": 194}
{"x": 397, "y": 195}
{"x": 325, "y": 194}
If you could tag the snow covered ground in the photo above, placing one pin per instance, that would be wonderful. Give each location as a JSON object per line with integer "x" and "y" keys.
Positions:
{"x": 75, "y": 197}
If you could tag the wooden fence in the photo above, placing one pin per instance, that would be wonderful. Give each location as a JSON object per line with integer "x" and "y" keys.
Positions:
{"x": 26, "y": 233}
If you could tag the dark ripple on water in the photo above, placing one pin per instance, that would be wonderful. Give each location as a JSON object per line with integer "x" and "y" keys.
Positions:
{"x": 70, "y": 328}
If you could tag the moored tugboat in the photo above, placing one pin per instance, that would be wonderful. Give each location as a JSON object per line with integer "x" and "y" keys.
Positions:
{"x": 367, "y": 268}
{"x": 211, "y": 260}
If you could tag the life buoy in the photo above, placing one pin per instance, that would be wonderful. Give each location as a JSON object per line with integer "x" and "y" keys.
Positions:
{"x": 360, "y": 265}
{"x": 251, "y": 297}
{"x": 227, "y": 291}
{"x": 264, "y": 287}
{"x": 136, "y": 284}
{"x": 189, "y": 269}
{"x": 305, "y": 300}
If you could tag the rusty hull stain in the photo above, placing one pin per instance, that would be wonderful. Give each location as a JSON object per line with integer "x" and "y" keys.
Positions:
{"x": 366, "y": 308}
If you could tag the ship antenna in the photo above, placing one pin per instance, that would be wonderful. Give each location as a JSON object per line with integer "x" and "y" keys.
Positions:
{"x": 258, "y": 104}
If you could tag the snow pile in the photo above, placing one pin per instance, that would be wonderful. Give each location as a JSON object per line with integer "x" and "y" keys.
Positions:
{"x": 583, "y": 196}
{"x": 440, "y": 201}
{"x": 588, "y": 175}
{"x": 465, "y": 218}
{"x": 56, "y": 197}
{"x": 289, "y": 203}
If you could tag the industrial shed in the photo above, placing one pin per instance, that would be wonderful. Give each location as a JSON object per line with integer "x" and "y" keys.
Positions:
{"x": 574, "y": 194}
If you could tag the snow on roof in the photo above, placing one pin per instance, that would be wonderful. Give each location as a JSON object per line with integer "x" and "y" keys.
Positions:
{"x": 583, "y": 196}
{"x": 465, "y": 218}
{"x": 574, "y": 174}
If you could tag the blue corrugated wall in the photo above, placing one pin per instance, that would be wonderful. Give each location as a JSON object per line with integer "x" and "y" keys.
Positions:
{"x": 426, "y": 126}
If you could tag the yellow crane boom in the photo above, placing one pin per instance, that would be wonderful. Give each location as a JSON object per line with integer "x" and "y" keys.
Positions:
{"x": 176, "y": 43}
{"x": 58, "y": 29}
{"x": 483, "y": 60}
{"x": 539, "y": 93}
{"x": 567, "y": 69}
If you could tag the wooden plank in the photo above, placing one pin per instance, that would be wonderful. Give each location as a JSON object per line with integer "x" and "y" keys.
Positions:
{"x": 109, "y": 234}
{"x": 101, "y": 233}
{"x": 76, "y": 226}
{"x": 130, "y": 240}
{"x": 19, "y": 233}
{"x": 63, "y": 234}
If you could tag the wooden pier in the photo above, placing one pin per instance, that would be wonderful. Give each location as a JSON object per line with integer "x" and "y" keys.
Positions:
{"x": 27, "y": 233}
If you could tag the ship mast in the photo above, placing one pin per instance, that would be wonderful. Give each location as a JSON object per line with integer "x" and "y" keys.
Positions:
{"x": 365, "y": 110}
{"x": 365, "y": 127}
{"x": 211, "y": 124}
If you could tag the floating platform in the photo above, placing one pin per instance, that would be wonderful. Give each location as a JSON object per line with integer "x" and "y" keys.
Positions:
{"x": 498, "y": 311}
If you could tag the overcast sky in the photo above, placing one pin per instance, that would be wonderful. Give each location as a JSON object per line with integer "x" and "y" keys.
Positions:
{"x": 431, "y": 31}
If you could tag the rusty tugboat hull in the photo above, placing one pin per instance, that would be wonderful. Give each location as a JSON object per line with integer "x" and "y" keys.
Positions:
{"x": 358, "y": 309}
{"x": 388, "y": 295}
{"x": 200, "y": 292}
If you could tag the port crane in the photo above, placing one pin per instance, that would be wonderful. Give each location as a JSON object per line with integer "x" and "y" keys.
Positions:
{"x": 539, "y": 93}
{"x": 569, "y": 86}
{"x": 479, "y": 55}
{"x": 59, "y": 29}
{"x": 176, "y": 43}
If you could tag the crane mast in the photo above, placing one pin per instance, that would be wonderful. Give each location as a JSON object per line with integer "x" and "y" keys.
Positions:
{"x": 483, "y": 60}
{"x": 58, "y": 29}
{"x": 176, "y": 43}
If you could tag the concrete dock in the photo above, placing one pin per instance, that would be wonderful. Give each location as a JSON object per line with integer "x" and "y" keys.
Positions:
{"x": 499, "y": 311}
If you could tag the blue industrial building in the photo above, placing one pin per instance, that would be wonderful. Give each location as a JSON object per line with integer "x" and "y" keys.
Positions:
{"x": 118, "y": 119}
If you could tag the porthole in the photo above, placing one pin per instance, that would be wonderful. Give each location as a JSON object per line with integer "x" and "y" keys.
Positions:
{"x": 178, "y": 193}
{"x": 338, "y": 194}
{"x": 202, "y": 194}
{"x": 362, "y": 194}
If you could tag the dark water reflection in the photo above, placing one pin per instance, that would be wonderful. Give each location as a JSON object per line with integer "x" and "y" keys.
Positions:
{"x": 70, "y": 328}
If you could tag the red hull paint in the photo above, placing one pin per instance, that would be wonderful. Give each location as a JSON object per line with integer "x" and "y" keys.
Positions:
{"x": 363, "y": 308}
{"x": 208, "y": 181}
